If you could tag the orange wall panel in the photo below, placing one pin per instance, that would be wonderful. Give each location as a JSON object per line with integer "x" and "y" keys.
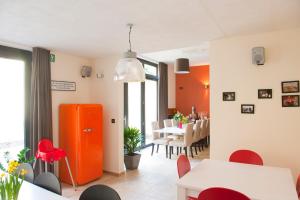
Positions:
{"x": 191, "y": 91}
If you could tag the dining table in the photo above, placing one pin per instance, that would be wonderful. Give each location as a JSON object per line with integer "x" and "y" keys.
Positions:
{"x": 174, "y": 130}
{"x": 30, "y": 191}
{"x": 256, "y": 182}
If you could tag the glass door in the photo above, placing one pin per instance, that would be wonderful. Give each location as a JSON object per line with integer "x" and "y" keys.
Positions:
{"x": 141, "y": 103}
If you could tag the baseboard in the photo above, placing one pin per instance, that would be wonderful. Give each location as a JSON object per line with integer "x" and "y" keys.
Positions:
{"x": 114, "y": 173}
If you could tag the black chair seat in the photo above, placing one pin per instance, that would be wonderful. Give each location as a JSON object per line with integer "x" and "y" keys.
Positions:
{"x": 99, "y": 192}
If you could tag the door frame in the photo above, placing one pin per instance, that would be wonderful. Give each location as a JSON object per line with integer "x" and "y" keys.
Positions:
{"x": 143, "y": 117}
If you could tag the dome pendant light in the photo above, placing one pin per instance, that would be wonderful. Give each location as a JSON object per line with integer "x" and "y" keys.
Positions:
{"x": 129, "y": 68}
{"x": 182, "y": 66}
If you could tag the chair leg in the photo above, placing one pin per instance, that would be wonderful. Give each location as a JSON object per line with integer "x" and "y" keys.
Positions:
{"x": 170, "y": 152}
{"x": 34, "y": 163}
{"x": 196, "y": 150}
{"x": 185, "y": 149}
{"x": 157, "y": 148}
{"x": 177, "y": 150}
{"x": 180, "y": 150}
{"x": 191, "y": 150}
{"x": 69, "y": 169}
{"x": 46, "y": 167}
{"x": 152, "y": 149}
{"x": 166, "y": 151}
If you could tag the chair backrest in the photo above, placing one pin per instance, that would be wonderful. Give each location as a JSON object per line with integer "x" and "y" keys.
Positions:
{"x": 29, "y": 176}
{"x": 207, "y": 133}
{"x": 155, "y": 126}
{"x": 246, "y": 156}
{"x": 167, "y": 123}
{"x": 174, "y": 122}
{"x": 221, "y": 193}
{"x": 298, "y": 186}
{"x": 188, "y": 135}
{"x": 196, "y": 135}
{"x": 45, "y": 145}
{"x": 183, "y": 165}
{"x": 203, "y": 128}
{"x": 99, "y": 192}
{"x": 49, "y": 182}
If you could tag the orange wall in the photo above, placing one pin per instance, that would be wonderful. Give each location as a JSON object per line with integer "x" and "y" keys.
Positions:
{"x": 191, "y": 91}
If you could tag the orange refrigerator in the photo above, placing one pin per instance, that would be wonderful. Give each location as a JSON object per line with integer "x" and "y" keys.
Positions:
{"x": 80, "y": 135}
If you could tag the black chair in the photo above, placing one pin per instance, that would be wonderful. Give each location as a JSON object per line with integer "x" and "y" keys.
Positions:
{"x": 99, "y": 192}
{"x": 49, "y": 182}
{"x": 29, "y": 176}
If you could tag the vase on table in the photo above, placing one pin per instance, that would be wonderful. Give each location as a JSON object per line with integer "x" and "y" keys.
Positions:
{"x": 179, "y": 124}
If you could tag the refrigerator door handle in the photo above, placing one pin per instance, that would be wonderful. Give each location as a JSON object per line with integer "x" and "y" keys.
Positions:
{"x": 87, "y": 130}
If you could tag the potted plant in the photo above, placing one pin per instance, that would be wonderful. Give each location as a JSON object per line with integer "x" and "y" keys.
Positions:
{"x": 132, "y": 138}
{"x": 181, "y": 119}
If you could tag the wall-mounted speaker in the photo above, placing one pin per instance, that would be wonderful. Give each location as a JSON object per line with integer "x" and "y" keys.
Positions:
{"x": 258, "y": 55}
{"x": 86, "y": 71}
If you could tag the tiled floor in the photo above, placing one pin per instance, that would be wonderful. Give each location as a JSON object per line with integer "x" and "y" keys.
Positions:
{"x": 154, "y": 180}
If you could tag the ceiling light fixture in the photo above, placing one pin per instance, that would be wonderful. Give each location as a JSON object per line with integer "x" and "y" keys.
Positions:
{"x": 129, "y": 68}
{"x": 182, "y": 66}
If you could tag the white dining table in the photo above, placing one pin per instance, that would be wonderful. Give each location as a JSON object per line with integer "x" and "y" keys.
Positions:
{"x": 172, "y": 130}
{"x": 257, "y": 182}
{"x": 30, "y": 191}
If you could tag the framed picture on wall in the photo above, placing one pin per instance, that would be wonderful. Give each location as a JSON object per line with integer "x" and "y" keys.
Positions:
{"x": 290, "y": 86}
{"x": 265, "y": 93}
{"x": 247, "y": 108}
{"x": 228, "y": 96}
{"x": 290, "y": 101}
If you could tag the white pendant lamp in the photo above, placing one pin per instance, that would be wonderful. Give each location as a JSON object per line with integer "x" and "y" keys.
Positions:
{"x": 129, "y": 68}
{"x": 182, "y": 66}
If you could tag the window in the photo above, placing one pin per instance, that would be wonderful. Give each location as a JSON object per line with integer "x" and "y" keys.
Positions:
{"x": 14, "y": 87}
{"x": 141, "y": 102}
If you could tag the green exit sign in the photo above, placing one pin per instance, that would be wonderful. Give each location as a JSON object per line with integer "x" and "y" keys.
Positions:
{"x": 52, "y": 57}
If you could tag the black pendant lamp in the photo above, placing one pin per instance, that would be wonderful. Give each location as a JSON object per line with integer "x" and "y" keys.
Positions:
{"x": 182, "y": 66}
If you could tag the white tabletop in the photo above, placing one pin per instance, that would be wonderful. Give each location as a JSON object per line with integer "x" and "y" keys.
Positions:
{"x": 173, "y": 130}
{"x": 32, "y": 192}
{"x": 257, "y": 182}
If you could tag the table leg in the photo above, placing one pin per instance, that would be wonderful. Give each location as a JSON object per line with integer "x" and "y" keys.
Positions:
{"x": 181, "y": 193}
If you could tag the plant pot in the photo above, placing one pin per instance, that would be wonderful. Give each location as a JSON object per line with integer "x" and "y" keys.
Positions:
{"x": 132, "y": 161}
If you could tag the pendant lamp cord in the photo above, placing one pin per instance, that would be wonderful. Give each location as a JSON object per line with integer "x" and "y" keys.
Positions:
{"x": 130, "y": 27}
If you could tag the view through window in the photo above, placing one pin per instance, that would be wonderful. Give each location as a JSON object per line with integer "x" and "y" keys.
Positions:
{"x": 12, "y": 106}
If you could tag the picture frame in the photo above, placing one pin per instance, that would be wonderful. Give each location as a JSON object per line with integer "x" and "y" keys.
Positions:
{"x": 228, "y": 96}
{"x": 247, "y": 108}
{"x": 290, "y": 100}
{"x": 290, "y": 86}
{"x": 265, "y": 93}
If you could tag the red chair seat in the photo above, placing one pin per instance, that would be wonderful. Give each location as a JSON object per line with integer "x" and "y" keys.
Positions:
{"x": 47, "y": 153}
{"x": 192, "y": 198}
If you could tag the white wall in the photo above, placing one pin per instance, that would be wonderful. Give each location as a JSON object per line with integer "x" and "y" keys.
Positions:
{"x": 273, "y": 131}
{"x": 67, "y": 68}
{"x": 171, "y": 87}
{"x": 111, "y": 95}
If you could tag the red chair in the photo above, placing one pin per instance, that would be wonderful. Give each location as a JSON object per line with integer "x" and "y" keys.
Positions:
{"x": 298, "y": 186}
{"x": 246, "y": 156}
{"x": 183, "y": 167}
{"x": 47, "y": 153}
{"x": 221, "y": 194}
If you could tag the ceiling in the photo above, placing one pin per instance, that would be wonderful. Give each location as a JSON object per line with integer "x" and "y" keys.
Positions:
{"x": 96, "y": 28}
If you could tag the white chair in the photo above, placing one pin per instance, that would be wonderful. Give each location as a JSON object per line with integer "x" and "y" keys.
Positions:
{"x": 170, "y": 123}
{"x": 196, "y": 135}
{"x": 185, "y": 143}
{"x": 174, "y": 122}
{"x": 203, "y": 133}
{"x": 156, "y": 139}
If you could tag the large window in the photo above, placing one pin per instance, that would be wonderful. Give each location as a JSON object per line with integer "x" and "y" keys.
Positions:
{"x": 14, "y": 82}
{"x": 141, "y": 102}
